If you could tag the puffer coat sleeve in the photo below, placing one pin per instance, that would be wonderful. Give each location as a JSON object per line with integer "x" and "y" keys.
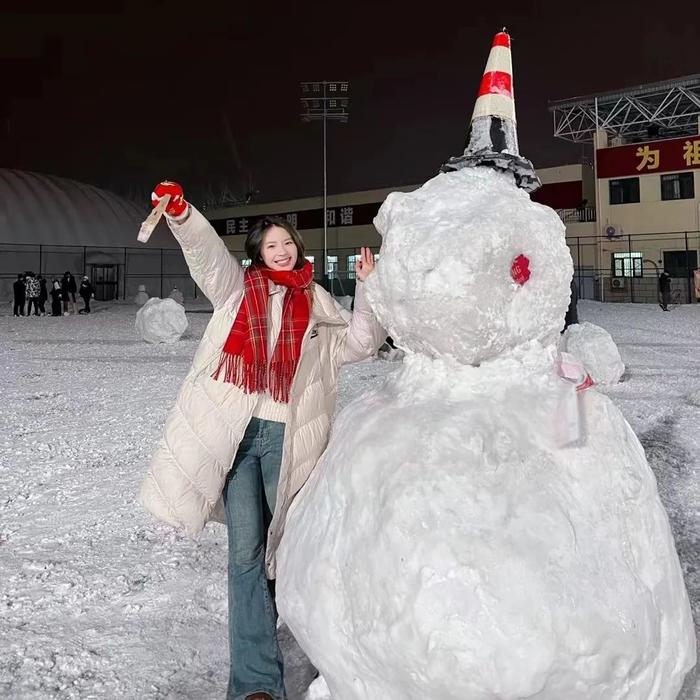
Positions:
{"x": 364, "y": 334}
{"x": 213, "y": 268}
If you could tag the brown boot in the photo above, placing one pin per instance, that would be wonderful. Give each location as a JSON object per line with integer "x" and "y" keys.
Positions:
{"x": 259, "y": 696}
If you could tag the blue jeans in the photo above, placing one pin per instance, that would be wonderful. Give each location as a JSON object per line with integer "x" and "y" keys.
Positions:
{"x": 249, "y": 495}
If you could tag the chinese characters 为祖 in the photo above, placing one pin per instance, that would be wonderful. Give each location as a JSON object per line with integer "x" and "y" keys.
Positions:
{"x": 691, "y": 152}
{"x": 650, "y": 158}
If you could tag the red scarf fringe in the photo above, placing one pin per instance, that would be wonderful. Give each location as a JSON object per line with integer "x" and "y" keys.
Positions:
{"x": 243, "y": 360}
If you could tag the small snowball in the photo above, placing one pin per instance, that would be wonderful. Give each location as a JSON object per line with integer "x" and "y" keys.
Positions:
{"x": 161, "y": 321}
{"x": 597, "y": 351}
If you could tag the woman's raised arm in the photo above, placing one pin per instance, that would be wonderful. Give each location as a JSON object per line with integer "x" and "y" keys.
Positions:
{"x": 212, "y": 266}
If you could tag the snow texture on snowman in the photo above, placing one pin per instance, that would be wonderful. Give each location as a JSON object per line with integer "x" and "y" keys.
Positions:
{"x": 449, "y": 545}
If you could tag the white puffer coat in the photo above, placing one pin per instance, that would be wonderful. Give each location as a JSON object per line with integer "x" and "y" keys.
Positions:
{"x": 203, "y": 430}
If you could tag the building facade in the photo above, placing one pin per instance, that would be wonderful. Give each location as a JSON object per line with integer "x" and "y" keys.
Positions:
{"x": 649, "y": 204}
{"x": 566, "y": 188}
{"x": 630, "y": 214}
{"x": 644, "y": 215}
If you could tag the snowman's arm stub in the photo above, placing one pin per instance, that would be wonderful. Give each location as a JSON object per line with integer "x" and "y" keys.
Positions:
{"x": 364, "y": 335}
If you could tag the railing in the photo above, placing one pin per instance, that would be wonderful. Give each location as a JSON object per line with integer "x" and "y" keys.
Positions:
{"x": 158, "y": 269}
{"x": 639, "y": 258}
{"x": 162, "y": 269}
{"x": 582, "y": 214}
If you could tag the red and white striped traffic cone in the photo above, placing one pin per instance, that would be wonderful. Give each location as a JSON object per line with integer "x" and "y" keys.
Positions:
{"x": 493, "y": 134}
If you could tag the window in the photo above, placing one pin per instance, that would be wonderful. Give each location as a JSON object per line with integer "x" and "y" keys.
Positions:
{"x": 332, "y": 265}
{"x": 677, "y": 186}
{"x": 352, "y": 259}
{"x": 627, "y": 265}
{"x": 245, "y": 263}
{"x": 624, "y": 191}
{"x": 310, "y": 258}
{"x": 680, "y": 263}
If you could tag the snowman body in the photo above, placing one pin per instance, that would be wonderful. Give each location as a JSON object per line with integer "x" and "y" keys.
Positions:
{"x": 447, "y": 545}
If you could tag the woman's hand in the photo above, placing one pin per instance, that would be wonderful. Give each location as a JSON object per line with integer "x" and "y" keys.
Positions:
{"x": 365, "y": 265}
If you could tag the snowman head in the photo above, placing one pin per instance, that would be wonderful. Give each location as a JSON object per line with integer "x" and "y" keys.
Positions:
{"x": 470, "y": 267}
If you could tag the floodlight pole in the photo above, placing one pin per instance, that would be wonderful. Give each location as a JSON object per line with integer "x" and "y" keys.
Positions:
{"x": 312, "y": 95}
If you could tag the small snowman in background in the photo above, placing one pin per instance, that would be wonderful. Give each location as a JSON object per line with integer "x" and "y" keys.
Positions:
{"x": 141, "y": 295}
{"x": 177, "y": 295}
{"x": 449, "y": 544}
{"x": 161, "y": 321}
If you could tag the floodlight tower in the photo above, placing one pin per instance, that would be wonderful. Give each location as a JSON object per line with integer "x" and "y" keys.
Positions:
{"x": 321, "y": 101}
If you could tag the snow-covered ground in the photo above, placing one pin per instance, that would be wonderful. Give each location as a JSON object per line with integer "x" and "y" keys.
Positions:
{"x": 97, "y": 600}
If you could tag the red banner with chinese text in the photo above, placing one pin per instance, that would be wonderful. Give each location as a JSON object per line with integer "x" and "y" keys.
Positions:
{"x": 666, "y": 156}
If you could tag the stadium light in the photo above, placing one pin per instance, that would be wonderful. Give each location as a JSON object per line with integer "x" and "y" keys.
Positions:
{"x": 321, "y": 101}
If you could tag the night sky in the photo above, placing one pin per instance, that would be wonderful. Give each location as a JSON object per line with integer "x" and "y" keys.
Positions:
{"x": 122, "y": 94}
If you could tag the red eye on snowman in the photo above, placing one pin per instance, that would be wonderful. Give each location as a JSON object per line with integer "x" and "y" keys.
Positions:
{"x": 520, "y": 269}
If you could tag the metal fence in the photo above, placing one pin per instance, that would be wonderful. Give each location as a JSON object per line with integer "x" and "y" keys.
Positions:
{"x": 578, "y": 215}
{"x": 118, "y": 272}
{"x": 115, "y": 272}
{"x": 623, "y": 269}
{"x": 626, "y": 268}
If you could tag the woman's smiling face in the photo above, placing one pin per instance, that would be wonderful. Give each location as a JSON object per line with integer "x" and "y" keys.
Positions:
{"x": 279, "y": 251}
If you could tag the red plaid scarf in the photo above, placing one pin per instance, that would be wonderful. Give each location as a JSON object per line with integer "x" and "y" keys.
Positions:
{"x": 244, "y": 359}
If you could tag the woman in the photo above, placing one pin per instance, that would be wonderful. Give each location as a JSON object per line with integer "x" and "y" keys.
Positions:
{"x": 253, "y": 415}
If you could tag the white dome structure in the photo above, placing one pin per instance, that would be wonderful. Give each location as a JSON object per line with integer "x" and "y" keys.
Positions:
{"x": 51, "y": 224}
{"x": 48, "y": 210}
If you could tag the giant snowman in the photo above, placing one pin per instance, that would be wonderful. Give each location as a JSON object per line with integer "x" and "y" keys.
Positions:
{"x": 464, "y": 537}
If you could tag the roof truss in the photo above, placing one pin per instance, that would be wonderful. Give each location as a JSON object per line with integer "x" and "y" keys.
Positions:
{"x": 672, "y": 106}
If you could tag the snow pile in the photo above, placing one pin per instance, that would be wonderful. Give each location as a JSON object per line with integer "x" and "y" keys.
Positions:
{"x": 318, "y": 690}
{"x": 597, "y": 351}
{"x": 445, "y": 546}
{"x": 386, "y": 352}
{"x": 161, "y": 321}
{"x": 141, "y": 296}
{"x": 140, "y": 609}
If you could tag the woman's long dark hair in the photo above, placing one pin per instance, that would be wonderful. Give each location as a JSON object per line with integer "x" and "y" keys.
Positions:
{"x": 254, "y": 239}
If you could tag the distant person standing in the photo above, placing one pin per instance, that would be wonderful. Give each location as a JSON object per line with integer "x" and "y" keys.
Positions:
{"x": 68, "y": 290}
{"x": 43, "y": 295}
{"x": 20, "y": 295}
{"x": 87, "y": 291}
{"x": 33, "y": 293}
{"x": 664, "y": 290}
{"x": 56, "y": 298}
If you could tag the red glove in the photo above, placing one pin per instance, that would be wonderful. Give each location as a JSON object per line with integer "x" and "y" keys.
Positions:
{"x": 177, "y": 205}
